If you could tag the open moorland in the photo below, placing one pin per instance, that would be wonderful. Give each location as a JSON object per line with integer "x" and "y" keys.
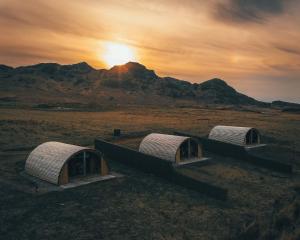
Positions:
{"x": 261, "y": 204}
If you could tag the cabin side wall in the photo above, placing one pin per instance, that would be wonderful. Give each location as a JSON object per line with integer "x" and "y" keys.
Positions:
{"x": 200, "y": 152}
{"x": 104, "y": 169}
{"x": 177, "y": 156}
{"x": 64, "y": 175}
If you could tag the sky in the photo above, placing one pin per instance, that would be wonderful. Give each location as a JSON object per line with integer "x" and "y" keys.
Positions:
{"x": 254, "y": 45}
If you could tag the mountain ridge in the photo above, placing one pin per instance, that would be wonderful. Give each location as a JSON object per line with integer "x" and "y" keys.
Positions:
{"x": 132, "y": 79}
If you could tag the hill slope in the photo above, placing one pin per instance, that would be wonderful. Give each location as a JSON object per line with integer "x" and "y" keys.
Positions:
{"x": 128, "y": 83}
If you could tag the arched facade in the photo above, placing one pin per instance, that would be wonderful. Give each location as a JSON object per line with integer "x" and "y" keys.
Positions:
{"x": 58, "y": 163}
{"x": 235, "y": 135}
{"x": 170, "y": 147}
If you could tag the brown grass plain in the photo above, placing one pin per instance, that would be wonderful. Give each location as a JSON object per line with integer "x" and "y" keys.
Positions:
{"x": 23, "y": 127}
{"x": 262, "y": 204}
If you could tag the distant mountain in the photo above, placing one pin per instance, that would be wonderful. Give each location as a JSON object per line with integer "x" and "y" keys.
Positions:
{"x": 286, "y": 106}
{"x": 282, "y": 104}
{"x": 128, "y": 83}
{"x": 4, "y": 68}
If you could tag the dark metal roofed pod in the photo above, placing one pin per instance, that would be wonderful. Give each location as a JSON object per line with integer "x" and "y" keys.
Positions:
{"x": 170, "y": 147}
{"x": 235, "y": 135}
{"x": 57, "y": 162}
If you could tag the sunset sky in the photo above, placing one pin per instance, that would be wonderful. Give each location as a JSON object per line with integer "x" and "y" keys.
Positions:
{"x": 254, "y": 45}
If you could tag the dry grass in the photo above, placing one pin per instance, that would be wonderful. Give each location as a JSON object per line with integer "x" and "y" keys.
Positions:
{"x": 30, "y": 127}
{"x": 261, "y": 204}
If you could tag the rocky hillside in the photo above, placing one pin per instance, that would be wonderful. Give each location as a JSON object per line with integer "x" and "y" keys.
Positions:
{"x": 80, "y": 80}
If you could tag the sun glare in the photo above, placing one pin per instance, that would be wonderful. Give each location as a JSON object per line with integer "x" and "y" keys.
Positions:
{"x": 116, "y": 54}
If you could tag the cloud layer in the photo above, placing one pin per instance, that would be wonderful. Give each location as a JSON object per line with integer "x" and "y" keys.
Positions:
{"x": 248, "y": 11}
{"x": 253, "y": 44}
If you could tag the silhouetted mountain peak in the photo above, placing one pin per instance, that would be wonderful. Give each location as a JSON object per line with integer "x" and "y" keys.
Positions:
{"x": 46, "y": 68}
{"x": 52, "y": 68}
{"x": 128, "y": 66}
{"x": 133, "y": 69}
{"x": 82, "y": 67}
{"x": 216, "y": 84}
{"x": 5, "y": 68}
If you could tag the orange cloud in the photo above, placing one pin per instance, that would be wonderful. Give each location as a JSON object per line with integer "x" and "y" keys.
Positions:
{"x": 250, "y": 46}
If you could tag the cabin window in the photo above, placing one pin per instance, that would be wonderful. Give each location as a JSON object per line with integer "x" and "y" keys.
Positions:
{"x": 84, "y": 163}
{"x": 252, "y": 137}
{"x": 188, "y": 150}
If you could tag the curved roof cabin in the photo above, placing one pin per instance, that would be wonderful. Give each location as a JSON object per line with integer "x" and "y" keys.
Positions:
{"x": 59, "y": 163}
{"x": 243, "y": 136}
{"x": 171, "y": 148}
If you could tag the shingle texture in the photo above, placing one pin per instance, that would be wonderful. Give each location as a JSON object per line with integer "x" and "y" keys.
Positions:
{"x": 230, "y": 134}
{"x": 47, "y": 160}
{"x": 162, "y": 145}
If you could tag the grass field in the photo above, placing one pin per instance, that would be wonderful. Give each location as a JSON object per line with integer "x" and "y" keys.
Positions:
{"x": 262, "y": 204}
{"x": 19, "y": 128}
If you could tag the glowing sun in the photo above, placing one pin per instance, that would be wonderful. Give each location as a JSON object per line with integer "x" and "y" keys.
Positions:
{"x": 116, "y": 54}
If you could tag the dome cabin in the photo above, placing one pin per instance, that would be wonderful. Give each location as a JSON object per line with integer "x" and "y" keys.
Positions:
{"x": 60, "y": 163}
{"x": 177, "y": 149}
{"x": 243, "y": 136}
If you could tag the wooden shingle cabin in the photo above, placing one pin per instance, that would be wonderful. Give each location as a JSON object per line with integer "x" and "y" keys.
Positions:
{"x": 177, "y": 149}
{"x": 59, "y": 163}
{"x": 243, "y": 136}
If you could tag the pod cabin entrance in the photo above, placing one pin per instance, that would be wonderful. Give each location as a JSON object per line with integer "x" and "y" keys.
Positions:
{"x": 189, "y": 150}
{"x": 252, "y": 137}
{"x": 84, "y": 164}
